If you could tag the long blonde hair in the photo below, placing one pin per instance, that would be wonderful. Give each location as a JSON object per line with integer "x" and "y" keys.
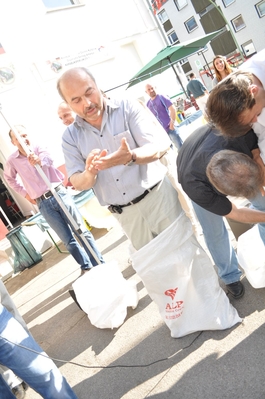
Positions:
{"x": 227, "y": 68}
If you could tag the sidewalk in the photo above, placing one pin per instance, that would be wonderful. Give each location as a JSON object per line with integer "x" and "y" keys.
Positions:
{"x": 139, "y": 359}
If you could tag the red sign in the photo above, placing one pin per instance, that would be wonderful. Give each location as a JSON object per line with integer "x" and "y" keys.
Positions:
{"x": 157, "y": 4}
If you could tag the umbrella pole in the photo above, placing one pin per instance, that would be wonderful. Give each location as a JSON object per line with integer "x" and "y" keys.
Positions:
{"x": 208, "y": 66}
{"x": 178, "y": 78}
{"x": 75, "y": 226}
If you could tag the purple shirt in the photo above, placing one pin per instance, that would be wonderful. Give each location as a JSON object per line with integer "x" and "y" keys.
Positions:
{"x": 33, "y": 184}
{"x": 159, "y": 107}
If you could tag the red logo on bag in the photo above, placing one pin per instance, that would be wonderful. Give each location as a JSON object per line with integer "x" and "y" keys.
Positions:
{"x": 171, "y": 292}
{"x": 174, "y": 309}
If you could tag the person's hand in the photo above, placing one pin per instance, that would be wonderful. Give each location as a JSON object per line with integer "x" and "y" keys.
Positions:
{"x": 34, "y": 159}
{"x": 32, "y": 201}
{"x": 91, "y": 158}
{"x": 120, "y": 157}
{"x": 171, "y": 125}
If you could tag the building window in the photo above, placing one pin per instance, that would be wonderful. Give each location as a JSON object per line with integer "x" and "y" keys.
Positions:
{"x": 173, "y": 38}
{"x": 228, "y": 2}
{"x": 181, "y": 4}
{"x": 260, "y": 7}
{"x": 248, "y": 48}
{"x": 162, "y": 16}
{"x": 52, "y": 5}
{"x": 238, "y": 23}
{"x": 191, "y": 24}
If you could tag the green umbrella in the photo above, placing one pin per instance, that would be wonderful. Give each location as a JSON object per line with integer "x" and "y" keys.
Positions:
{"x": 169, "y": 56}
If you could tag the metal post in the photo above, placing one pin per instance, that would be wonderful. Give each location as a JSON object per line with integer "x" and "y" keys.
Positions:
{"x": 6, "y": 218}
{"x": 208, "y": 66}
{"x": 178, "y": 78}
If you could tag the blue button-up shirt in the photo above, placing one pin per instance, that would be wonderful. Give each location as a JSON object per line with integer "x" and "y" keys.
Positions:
{"x": 122, "y": 118}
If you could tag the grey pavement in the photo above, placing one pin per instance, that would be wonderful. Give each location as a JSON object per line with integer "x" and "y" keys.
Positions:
{"x": 139, "y": 359}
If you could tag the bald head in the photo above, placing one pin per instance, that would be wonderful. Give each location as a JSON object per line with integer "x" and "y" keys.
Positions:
{"x": 66, "y": 114}
{"x": 149, "y": 89}
{"x": 234, "y": 173}
{"x": 72, "y": 75}
{"x": 78, "y": 88}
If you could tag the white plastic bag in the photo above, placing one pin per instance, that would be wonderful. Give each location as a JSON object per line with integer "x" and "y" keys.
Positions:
{"x": 251, "y": 256}
{"x": 104, "y": 294}
{"x": 181, "y": 280}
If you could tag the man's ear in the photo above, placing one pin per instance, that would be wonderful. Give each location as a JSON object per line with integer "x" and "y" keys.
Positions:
{"x": 253, "y": 89}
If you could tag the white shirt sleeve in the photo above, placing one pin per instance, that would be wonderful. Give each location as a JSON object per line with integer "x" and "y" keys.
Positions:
{"x": 260, "y": 132}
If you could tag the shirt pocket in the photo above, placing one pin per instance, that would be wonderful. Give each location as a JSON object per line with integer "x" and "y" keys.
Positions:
{"x": 129, "y": 138}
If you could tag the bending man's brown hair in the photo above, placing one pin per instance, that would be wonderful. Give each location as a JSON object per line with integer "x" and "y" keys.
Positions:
{"x": 227, "y": 101}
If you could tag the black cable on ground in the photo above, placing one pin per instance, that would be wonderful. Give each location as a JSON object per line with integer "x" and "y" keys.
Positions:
{"x": 105, "y": 367}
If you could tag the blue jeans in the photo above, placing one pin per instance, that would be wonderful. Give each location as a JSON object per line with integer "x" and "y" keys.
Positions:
{"x": 219, "y": 244}
{"x": 175, "y": 137}
{"x": 39, "y": 372}
{"x": 57, "y": 219}
{"x": 258, "y": 203}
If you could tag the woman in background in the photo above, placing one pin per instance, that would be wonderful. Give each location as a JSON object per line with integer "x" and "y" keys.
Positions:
{"x": 222, "y": 69}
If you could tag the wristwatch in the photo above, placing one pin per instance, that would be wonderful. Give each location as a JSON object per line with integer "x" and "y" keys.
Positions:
{"x": 132, "y": 160}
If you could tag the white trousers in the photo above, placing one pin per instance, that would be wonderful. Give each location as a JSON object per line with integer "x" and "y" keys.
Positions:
{"x": 143, "y": 221}
{"x": 202, "y": 102}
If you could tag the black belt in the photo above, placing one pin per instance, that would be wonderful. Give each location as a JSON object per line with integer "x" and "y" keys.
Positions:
{"x": 118, "y": 208}
{"x": 49, "y": 194}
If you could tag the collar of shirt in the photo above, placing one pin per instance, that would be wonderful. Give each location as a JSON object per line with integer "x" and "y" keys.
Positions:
{"x": 256, "y": 65}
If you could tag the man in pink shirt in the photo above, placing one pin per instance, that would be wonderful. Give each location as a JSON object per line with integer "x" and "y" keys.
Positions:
{"x": 35, "y": 190}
